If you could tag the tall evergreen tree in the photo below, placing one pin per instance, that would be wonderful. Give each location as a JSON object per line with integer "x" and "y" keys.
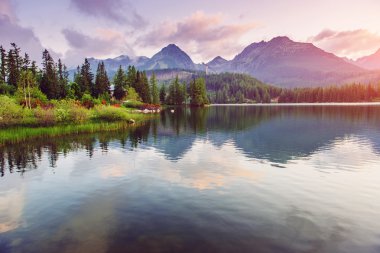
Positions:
{"x": 162, "y": 94}
{"x": 63, "y": 79}
{"x": 102, "y": 84}
{"x": 49, "y": 83}
{"x": 142, "y": 86}
{"x": 198, "y": 95}
{"x": 131, "y": 77}
{"x": 86, "y": 82}
{"x": 177, "y": 93}
{"x": 3, "y": 64}
{"x": 119, "y": 84}
{"x": 154, "y": 90}
{"x": 33, "y": 68}
{"x": 26, "y": 62}
{"x": 12, "y": 71}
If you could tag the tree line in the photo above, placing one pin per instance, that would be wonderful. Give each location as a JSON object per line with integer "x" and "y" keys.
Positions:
{"x": 19, "y": 74}
{"x": 344, "y": 93}
{"x": 238, "y": 88}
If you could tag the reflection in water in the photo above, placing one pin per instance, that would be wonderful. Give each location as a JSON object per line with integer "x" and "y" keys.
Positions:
{"x": 278, "y": 134}
{"x": 218, "y": 179}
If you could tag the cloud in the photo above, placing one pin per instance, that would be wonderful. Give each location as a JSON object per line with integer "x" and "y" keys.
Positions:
{"x": 203, "y": 35}
{"x": 23, "y": 37}
{"x": 104, "y": 43}
{"x": 6, "y": 9}
{"x": 11, "y": 31}
{"x": 352, "y": 44}
{"x": 120, "y": 11}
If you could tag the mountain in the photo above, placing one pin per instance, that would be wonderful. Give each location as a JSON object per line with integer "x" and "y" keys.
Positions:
{"x": 280, "y": 61}
{"x": 371, "y": 62}
{"x": 217, "y": 64}
{"x": 170, "y": 57}
{"x": 112, "y": 64}
{"x": 286, "y": 63}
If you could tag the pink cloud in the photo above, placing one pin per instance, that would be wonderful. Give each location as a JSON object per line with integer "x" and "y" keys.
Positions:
{"x": 200, "y": 34}
{"x": 352, "y": 44}
{"x": 104, "y": 42}
{"x": 120, "y": 11}
{"x": 11, "y": 31}
{"x": 6, "y": 9}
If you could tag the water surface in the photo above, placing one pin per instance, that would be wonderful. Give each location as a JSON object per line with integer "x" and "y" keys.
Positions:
{"x": 218, "y": 179}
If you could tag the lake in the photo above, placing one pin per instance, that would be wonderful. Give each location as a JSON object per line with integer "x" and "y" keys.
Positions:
{"x": 217, "y": 179}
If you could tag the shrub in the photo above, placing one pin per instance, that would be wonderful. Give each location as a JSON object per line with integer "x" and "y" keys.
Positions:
{"x": 6, "y": 89}
{"x": 88, "y": 101}
{"x": 109, "y": 113}
{"x": 9, "y": 110}
{"x": 62, "y": 115}
{"x": 70, "y": 111}
{"x": 132, "y": 104}
{"x": 37, "y": 97}
{"x": 79, "y": 114}
{"x": 132, "y": 95}
{"x": 105, "y": 98}
{"x": 45, "y": 116}
{"x": 150, "y": 107}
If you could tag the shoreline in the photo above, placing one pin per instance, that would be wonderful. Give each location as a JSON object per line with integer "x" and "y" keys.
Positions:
{"x": 307, "y": 104}
{"x": 18, "y": 134}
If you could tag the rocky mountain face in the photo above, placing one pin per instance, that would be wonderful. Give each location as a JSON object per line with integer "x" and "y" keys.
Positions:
{"x": 371, "y": 62}
{"x": 170, "y": 57}
{"x": 218, "y": 64}
{"x": 280, "y": 62}
{"x": 284, "y": 62}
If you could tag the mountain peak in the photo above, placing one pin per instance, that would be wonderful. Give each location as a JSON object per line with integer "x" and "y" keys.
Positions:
{"x": 172, "y": 47}
{"x": 281, "y": 39}
{"x": 217, "y": 60}
{"x": 170, "y": 57}
{"x": 371, "y": 62}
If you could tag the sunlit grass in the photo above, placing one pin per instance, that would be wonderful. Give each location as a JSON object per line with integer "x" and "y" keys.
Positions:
{"x": 18, "y": 134}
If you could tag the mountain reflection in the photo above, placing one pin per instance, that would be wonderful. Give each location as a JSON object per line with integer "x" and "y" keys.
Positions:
{"x": 275, "y": 133}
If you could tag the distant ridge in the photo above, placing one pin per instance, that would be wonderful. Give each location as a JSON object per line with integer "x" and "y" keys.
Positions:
{"x": 371, "y": 62}
{"x": 280, "y": 61}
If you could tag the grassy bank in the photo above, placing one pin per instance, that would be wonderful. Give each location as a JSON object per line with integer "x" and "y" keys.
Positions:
{"x": 18, "y": 123}
{"x": 18, "y": 134}
{"x": 63, "y": 112}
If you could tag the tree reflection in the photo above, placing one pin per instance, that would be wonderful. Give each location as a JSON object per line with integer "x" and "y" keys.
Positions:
{"x": 257, "y": 130}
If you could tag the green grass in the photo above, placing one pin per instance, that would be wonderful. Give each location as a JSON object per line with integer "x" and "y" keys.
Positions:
{"x": 61, "y": 118}
{"x": 18, "y": 134}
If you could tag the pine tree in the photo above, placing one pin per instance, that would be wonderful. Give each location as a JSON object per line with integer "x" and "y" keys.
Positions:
{"x": 63, "y": 80}
{"x": 25, "y": 62}
{"x": 75, "y": 86}
{"x": 154, "y": 89}
{"x": 3, "y": 64}
{"x": 131, "y": 77}
{"x": 198, "y": 95}
{"x": 162, "y": 94}
{"x": 33, "y": 68}
{"x": 119, "y": 84}
{"x": 12, "y": 69}
{"x": 145, "y": 89}
{"x": 86, "y": 82}
{"x": 102, "y": 84}
{"x": 49, "y": 83}
{"x": 177, "y": 93}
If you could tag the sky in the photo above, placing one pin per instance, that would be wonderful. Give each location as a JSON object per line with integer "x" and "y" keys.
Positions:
{"x": 75, "y": 29}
